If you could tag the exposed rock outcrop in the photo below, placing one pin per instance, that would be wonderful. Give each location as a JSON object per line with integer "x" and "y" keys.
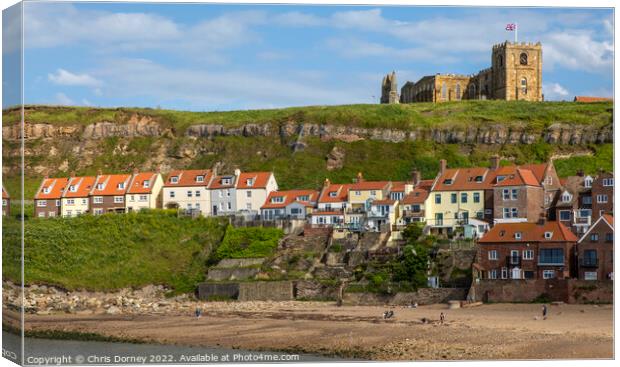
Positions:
{"x": 335, "y": 158}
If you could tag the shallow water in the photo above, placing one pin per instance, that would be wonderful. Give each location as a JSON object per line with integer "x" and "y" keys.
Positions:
{"x": 74, "y": 352}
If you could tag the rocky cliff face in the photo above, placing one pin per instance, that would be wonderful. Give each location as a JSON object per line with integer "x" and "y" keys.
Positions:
{"x": 143, "y": 126}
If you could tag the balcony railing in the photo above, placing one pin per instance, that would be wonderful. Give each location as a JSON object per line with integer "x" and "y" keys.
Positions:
{"x": 588, "y": 262}
{"x": 513, "y": 260}
{"x": 412, "y": 213}
{"x": 583, "y": 220}
{"x": 551, "y": 260}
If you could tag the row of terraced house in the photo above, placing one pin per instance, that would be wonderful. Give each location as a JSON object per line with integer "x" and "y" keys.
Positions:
{"x": 528, "y": 222}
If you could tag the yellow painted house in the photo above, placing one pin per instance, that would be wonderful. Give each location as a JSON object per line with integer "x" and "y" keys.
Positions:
{"x": 456, "y": 197}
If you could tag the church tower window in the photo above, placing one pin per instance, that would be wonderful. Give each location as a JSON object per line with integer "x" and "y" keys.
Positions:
{"x": 523, "y": 85}
{"x": 523, "y": 59}
{"x": 444, "y": 90}
{"x": 458, "y": 92}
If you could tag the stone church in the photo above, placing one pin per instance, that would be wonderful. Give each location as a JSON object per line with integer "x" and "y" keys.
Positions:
{"x": 515, "y": 74}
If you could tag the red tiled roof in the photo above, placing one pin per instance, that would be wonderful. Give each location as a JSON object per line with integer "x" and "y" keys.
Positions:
{"x": 290, "y": 196}
{"x": 369, "y": 185}
{"x": 188, "y": 177}
{"x": 56, "y": 185}
{"x": 518, "y": 177}
{"x": 538, "y": 169}
{"x": 587, "y": 99}
{"x": 83, "y": 186}
{"x": 417, "y": 196}
{"x": 342, "y": 193}
{"x": 111, "y": 185}
{"x": 137, "y": 183}
{"x": 530, "y": 232}
{"x": 609, "y": 219}
{"x": 260, "y": 180}
{"x": 218, "y": 182}
{"x": 384, "y": 202}
{"x": 398, "y": 186}
{"x": 464, "y": 179}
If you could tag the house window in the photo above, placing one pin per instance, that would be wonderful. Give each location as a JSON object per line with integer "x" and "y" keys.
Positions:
{"x": 476, "y": 197}
{"x": 373, "y": 193}
{"x": 506, "y": 212}
{"x": 174, "y": 179}
{"x": 72, "y": 188}
{"x": 586, "y": 200}
{"x": 584, "y": 213}
{"x": 118, "y": 199}
{"x": 437, "y": 198}
{"x": 548, "y": 274}
{"x": 493, "y": 274}
{"x": 564, "y": 214}
{"x": 588, "y": 182}
{"x": 57, "y": 202}
{"x": 551, "y": 256}
{"x": 197, "y": 205}
{"x": 189, "y": 194}
{"x": 447, "y": 181}
{"x": 333, "y": 194}
{"x": 41, "y": 203}
{"x": 608, "y": 182}
{"x": 197, "y": 193}
{"x": 146, "y": 184}
{"x": 415, "y": 208}
{"x": 132, "y": 198}
{"x": 566, "y": 197}
{"x": 549, "y": 180}
{"x": 548, "y": 235}
{"x": 69, "y": 213}
{"x": 609, "y": 237}
{"x": 594, "y": 237}
{"x": 528, "y": 254}
{"x": 518, "y": 235}
{"x": 601, "y": 199}
{"x": 303, "y": 198}
{"x": 248, "y": 194}
{"x": 228, "y": 193}
{"x": 229, "y": 205}
{"x": 528, "y": 274}
{"x": 121, "y": 185}
{"x": 84, "y": 201}
{"x": 358, "y": 193}
{"x": 200, "y": 178}
{"x": 171, "y": 194}
{"x": 514, "y": 194}
{"x": 463, "y": 197}
{"x": 46, "y": 190}
{"x": 493, "y": 255}
{"x": 547, "y": 199}
{"x": 250, "y": 182}
{"x": 226, "y": 181}
{"x": 248, "y": 206}
{"x": 99, "y": 186}
{"x": 70, "y": 202}
{"x": 97, "y": 211}
{"x": 506, "y": 194}
{"x": 277, "y": 199}
{"x": 453, "y": 198}
{"x": 41, "y": 214}
{"x": 439, "y": 219}
{"x": 504, "y": 273}
{"x": 143, "y": 198}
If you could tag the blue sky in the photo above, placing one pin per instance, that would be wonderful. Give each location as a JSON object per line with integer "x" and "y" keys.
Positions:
{"x": 221, "y": 57}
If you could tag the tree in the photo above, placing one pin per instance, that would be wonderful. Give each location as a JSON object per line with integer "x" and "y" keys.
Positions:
{"x": 413, "y": 265}
{"x": 412, "y": 233}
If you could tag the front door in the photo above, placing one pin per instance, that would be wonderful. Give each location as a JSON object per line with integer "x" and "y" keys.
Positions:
{"x": 214, "y": 209}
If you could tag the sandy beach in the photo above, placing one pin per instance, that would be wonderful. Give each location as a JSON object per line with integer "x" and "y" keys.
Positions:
{"x": 496, "y": 331}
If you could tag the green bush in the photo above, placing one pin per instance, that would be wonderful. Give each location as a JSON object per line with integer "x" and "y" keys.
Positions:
{"x": 248, "y": 242}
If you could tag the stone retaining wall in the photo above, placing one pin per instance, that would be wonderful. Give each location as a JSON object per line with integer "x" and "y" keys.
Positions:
{"x": 266, "y": 291}
{"x": 423, "y": 296}
{"x": 207, "y": 291}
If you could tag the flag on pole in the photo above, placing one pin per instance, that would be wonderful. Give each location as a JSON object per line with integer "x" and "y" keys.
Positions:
{"x": 511, "y": 27}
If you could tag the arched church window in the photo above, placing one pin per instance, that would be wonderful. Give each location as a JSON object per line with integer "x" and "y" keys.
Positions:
{"x": 523, "y": 59}
{"x": 472, "y": 91}
{"x": 523, "y": 85}
{"x": 444, "y": 90}
{"x": 500, "y": 60}
{"x": 458, "y": 92}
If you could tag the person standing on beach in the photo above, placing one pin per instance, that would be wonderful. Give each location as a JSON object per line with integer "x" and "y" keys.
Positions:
{"x": 442, "y": 317}
{"x": 544, "y": 312}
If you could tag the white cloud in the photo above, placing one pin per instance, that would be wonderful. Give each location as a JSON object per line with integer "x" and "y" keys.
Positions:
{"x": 298, "y": 19}
{"x": 64, "y": 77}
{"x": 63, "y": 100}
{"x": 554, "y": 92}
{"x": 577, "y": 50}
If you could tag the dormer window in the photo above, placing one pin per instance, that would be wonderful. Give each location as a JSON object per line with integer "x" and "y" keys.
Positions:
{"x": 226, "y": 181}
{"x": 333, "y": 194}
{"x": 608, "y": 182}
{"x": 46, "y": 190}
{"x": 549, "y": 180}
{"x": 502, "y": 233}
{"x": 72, "y": 188}
{"x": 250, "y": 182}
{"x": 146, "y": 184}
{"x": 548, "y": 235}
{"x": 517, "y": 235}
{"x": 200, "y": 178}
{"x": 566, "y": 197}
{"x": 478, "y": 178}
{"x": 500, "y": 178}
{"x": 447, "y": 181}
{"x": 277, "y": 199}
{"x": 121, "y": 185}
{"x": 174, "y": 179}
{"x": 588, "y": 182}
{"x": 99, "y": 186}
{"x": 303, "y": 198}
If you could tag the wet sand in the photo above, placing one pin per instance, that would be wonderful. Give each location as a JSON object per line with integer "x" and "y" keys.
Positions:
{"x": 496, "y": 331}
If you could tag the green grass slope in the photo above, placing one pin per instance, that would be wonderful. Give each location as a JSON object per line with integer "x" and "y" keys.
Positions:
{"x": 112, "y": 251}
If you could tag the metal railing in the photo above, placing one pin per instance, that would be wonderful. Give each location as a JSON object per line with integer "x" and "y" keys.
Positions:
{"x": 551, "y": 260}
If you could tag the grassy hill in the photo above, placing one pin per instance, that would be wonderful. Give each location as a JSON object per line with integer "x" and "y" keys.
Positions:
{"x": 112, "y": 251}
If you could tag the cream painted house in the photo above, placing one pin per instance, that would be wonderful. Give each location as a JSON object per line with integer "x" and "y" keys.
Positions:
{"x": 252, "y": 190}
{"x": 144, "y": 192}
{"x": 188, "y": 190}
{"x": 75, "y": 199}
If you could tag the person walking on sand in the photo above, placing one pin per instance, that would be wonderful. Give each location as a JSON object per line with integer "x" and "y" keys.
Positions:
{"x": 544, "y": 312}
{"x": 442, "y": 317}
{"x": 198, "y": 312}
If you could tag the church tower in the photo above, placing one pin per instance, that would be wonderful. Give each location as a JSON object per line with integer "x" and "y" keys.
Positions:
{"x": 517, "y": 71}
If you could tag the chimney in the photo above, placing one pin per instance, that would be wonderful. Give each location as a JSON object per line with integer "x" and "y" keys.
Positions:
{"x": 415, "y": 177}
{"x": 495, "y": 162}
{"x": 237, "y": 172}
{"x": 135, "y": 170}
{"x": 99, "y": 172}
{"x": 443, "y": 164}
{"x": 72, "y": 174}
{"x": 360, "y": 177}
{"x": 542, "y": 219}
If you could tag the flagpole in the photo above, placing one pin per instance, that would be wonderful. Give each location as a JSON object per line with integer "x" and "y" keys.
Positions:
{"x": 516, "y": 31}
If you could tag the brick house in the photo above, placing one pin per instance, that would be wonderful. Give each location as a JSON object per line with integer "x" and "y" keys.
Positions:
{"x": 6, "y": 203}
{"x": 573, "y": 207}
{"x": 47, "y": 201}
{"x": 188, "y": 190}
{"x": 144, "y": 192}
{"x": 541, "y": 250}
{"x": 108, "y": 194}
{"x": 75, "y": 198}
{"x": 602, "y": 195}
{"x": 517, "y": 195}
{"x": 595, "y": 250}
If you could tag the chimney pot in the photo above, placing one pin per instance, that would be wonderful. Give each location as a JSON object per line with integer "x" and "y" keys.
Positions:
{"x": 415, "y": 177}
{"x": 495, "y": 162}
{"x": 360, "y": 177}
